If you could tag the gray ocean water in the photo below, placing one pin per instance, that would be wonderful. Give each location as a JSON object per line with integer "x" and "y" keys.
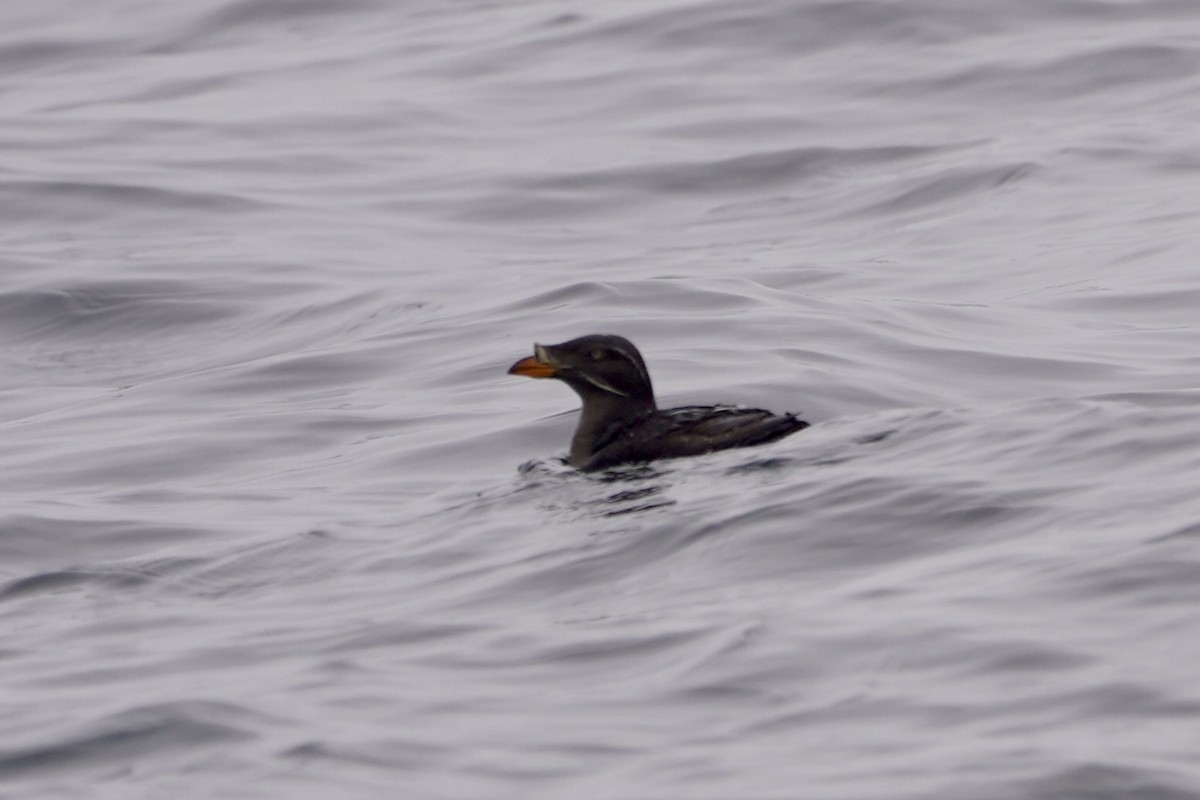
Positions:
{"x": 275, "y": 523}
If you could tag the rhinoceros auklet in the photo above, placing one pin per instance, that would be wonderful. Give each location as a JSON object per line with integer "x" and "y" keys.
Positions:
{"x": 620, "y": 423}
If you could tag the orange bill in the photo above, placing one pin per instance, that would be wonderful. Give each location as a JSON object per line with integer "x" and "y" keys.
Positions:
{"x": 532, "y": 368}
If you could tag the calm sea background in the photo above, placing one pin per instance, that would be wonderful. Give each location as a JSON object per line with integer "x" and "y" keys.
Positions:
{"x": 275, "y": 523}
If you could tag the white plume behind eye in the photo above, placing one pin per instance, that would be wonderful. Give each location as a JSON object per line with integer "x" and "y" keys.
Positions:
{"x": 637, "y": 362}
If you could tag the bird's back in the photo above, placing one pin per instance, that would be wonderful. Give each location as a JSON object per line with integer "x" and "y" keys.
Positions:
{"x": 689, "y": 431}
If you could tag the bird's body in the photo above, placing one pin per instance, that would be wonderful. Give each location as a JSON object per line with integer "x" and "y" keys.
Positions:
{"x": 620, "y": 422}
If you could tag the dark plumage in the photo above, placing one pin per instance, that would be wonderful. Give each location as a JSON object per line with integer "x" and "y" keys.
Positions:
{"x": 620, "y": 422}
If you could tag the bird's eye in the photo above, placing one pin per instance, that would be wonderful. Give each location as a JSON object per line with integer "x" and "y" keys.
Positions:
{"x": 597, "y": 355}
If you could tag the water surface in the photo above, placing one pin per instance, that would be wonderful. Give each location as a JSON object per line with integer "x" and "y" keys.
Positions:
{"x": 275, "y": 523}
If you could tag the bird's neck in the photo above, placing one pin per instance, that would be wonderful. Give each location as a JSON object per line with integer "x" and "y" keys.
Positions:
{"x": 598, "y": 415}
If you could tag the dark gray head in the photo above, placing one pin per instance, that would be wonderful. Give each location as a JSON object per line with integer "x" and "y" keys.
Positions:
{"x": 597, "y": 366}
